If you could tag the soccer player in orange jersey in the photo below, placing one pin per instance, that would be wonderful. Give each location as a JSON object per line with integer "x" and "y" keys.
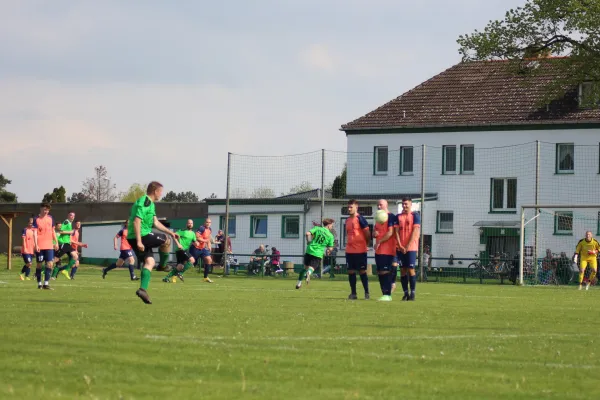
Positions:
{"x": 408, "y": 228}
{"x": 385, "y": 251}
{"x": 125, "y": 255}
{"x": 76, "y": 244}
{"x": 27, "y": 250}
{"x": 201, "y": 247}
{"x": 358, "y": 236}
{"x": 45, "y": 244}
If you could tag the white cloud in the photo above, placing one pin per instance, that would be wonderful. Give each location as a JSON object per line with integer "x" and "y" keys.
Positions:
{"x": 318, "y": 56}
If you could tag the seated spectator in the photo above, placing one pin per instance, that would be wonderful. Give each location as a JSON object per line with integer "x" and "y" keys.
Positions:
{"x": 275, "y": 261}
{"x": 258, "y": 259}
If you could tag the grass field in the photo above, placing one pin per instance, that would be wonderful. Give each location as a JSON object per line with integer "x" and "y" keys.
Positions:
{"x": 247, "y": 338}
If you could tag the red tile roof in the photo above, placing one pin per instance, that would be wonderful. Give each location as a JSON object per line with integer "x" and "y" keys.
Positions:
{"x": 480, "y": 93}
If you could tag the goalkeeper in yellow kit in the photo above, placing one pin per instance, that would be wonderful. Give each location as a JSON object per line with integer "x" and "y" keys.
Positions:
{"x": 587, "y": 250}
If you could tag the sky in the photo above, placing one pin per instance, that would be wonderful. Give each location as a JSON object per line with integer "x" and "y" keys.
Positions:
{"x": 163, "y": 90}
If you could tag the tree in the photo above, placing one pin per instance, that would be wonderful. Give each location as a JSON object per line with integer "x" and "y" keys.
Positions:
{"x": 541, "y": 28}
{"x": 58, "y": 195}
{"x": 6, "y": 196}
{"x": 181, "y": 197}
{"x": 305, "y": 186}
{"x": 77, "y": 197}
{"x": 134, "y": 192}
{"x": 262, "y": 193}
{"x": 212, "y": 196}
{"x": 99, "y": 189}
{"x": 338, "y": 187}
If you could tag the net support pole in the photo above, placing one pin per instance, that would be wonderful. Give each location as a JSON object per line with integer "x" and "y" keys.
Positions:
{"x": 522, "y": 246}
{"x": 537, "y": 192}
{"x": 322, "y": 200}
{"x": 421, "y": 234}
{"x": 226, "y": 246}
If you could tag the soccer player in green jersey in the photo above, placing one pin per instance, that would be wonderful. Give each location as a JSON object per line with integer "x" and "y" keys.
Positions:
{"x": 65, "y": 231}
{"x": 320, "y": 241}
{"x": 184, "y": 260}
{"x": 140, "y": 235}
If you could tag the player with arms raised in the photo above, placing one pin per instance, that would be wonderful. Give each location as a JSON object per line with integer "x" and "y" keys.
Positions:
{"x": 139, "y": 234}
{"x": 184, "y": 260}
{"x": 408, "y": 228}
{"x": 358, "y": 236}
{"x": 320, "y": 241}
{"x": 44, "y": 240}
{"x": 125, "y": 254}
{"x": 587, "y": 251}
{"x": 385, "y": 248}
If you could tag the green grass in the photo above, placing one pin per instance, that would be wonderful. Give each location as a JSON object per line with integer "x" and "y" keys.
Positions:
{"x": 247, "y": 338}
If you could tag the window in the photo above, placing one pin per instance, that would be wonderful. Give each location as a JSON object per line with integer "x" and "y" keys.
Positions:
{"x": 587, "y": 97}
{"x": 449, "y": 159}
{"x": 445, "y": 221}
{"x": 467, "y": 159}
{"x": 380, "y": 160}
{"x": 258, "y": 226}
{"x": 563, "y": 223}
{"x": 503, "y": 196}
{"x": 565, "y": 158}
{"x": 343, "y": 229}
{"x": 231, "y": 231}
{"x": 406, "y": 160}
{"x": 290, "y": 226}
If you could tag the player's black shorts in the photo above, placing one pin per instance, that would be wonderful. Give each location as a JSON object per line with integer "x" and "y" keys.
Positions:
{"x": 63, "y": 249}
{"x": 150, "y": 241}
{"x": 312, "y": 261}
{"x": 356, "y": 261}
{"x": 384, "y": 262}
{"x": 182, "y": 256}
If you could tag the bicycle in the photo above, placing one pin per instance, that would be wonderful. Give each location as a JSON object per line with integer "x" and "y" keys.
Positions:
{"x": 497, "y": 265}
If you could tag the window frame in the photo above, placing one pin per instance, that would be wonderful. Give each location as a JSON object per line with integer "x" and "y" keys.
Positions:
{"x": 342, "y": 238}
{"x": 462, "y": 159}
{"x": 557, "y": 160}
{"x": 254, "y": 218}
{"x": 222, "y": 225}
{"x": 445, "y": 156}
{"x": 412, "y": 164}
{"x": 438, "y": 221}
{"x": 376, "y": 171}
{"x": 284, "y": 219}
{"x": 505, "y": 194}
{"x": 557, "y": 215}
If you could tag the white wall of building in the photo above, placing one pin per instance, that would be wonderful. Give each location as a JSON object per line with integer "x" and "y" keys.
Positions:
{"x": 505, "y": 154}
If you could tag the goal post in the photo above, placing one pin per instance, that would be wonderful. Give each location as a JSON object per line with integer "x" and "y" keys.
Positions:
{"x": 548, "y": 236}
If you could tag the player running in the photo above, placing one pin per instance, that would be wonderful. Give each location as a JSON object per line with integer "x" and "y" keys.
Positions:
{"x": 27, "y": 251}
{"x": 184, "y": 260}
{"x": 125, "y": 255}
{"x": 65, "y": 231}
{"x": 385, "y": 251}
{"x": 358, "y": 236}
{"x": 320, "y": 241}
{"x": 201, "y": 247}
{"x": 140, "y": 235}
{"x": 407, "y": 229}
{"x": 587, "y": 251}
{"x": 76, "y": 244}
{"x": 44, "y": 243}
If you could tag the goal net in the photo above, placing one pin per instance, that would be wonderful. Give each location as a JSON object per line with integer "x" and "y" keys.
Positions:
{"x": 549, "y": 236}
